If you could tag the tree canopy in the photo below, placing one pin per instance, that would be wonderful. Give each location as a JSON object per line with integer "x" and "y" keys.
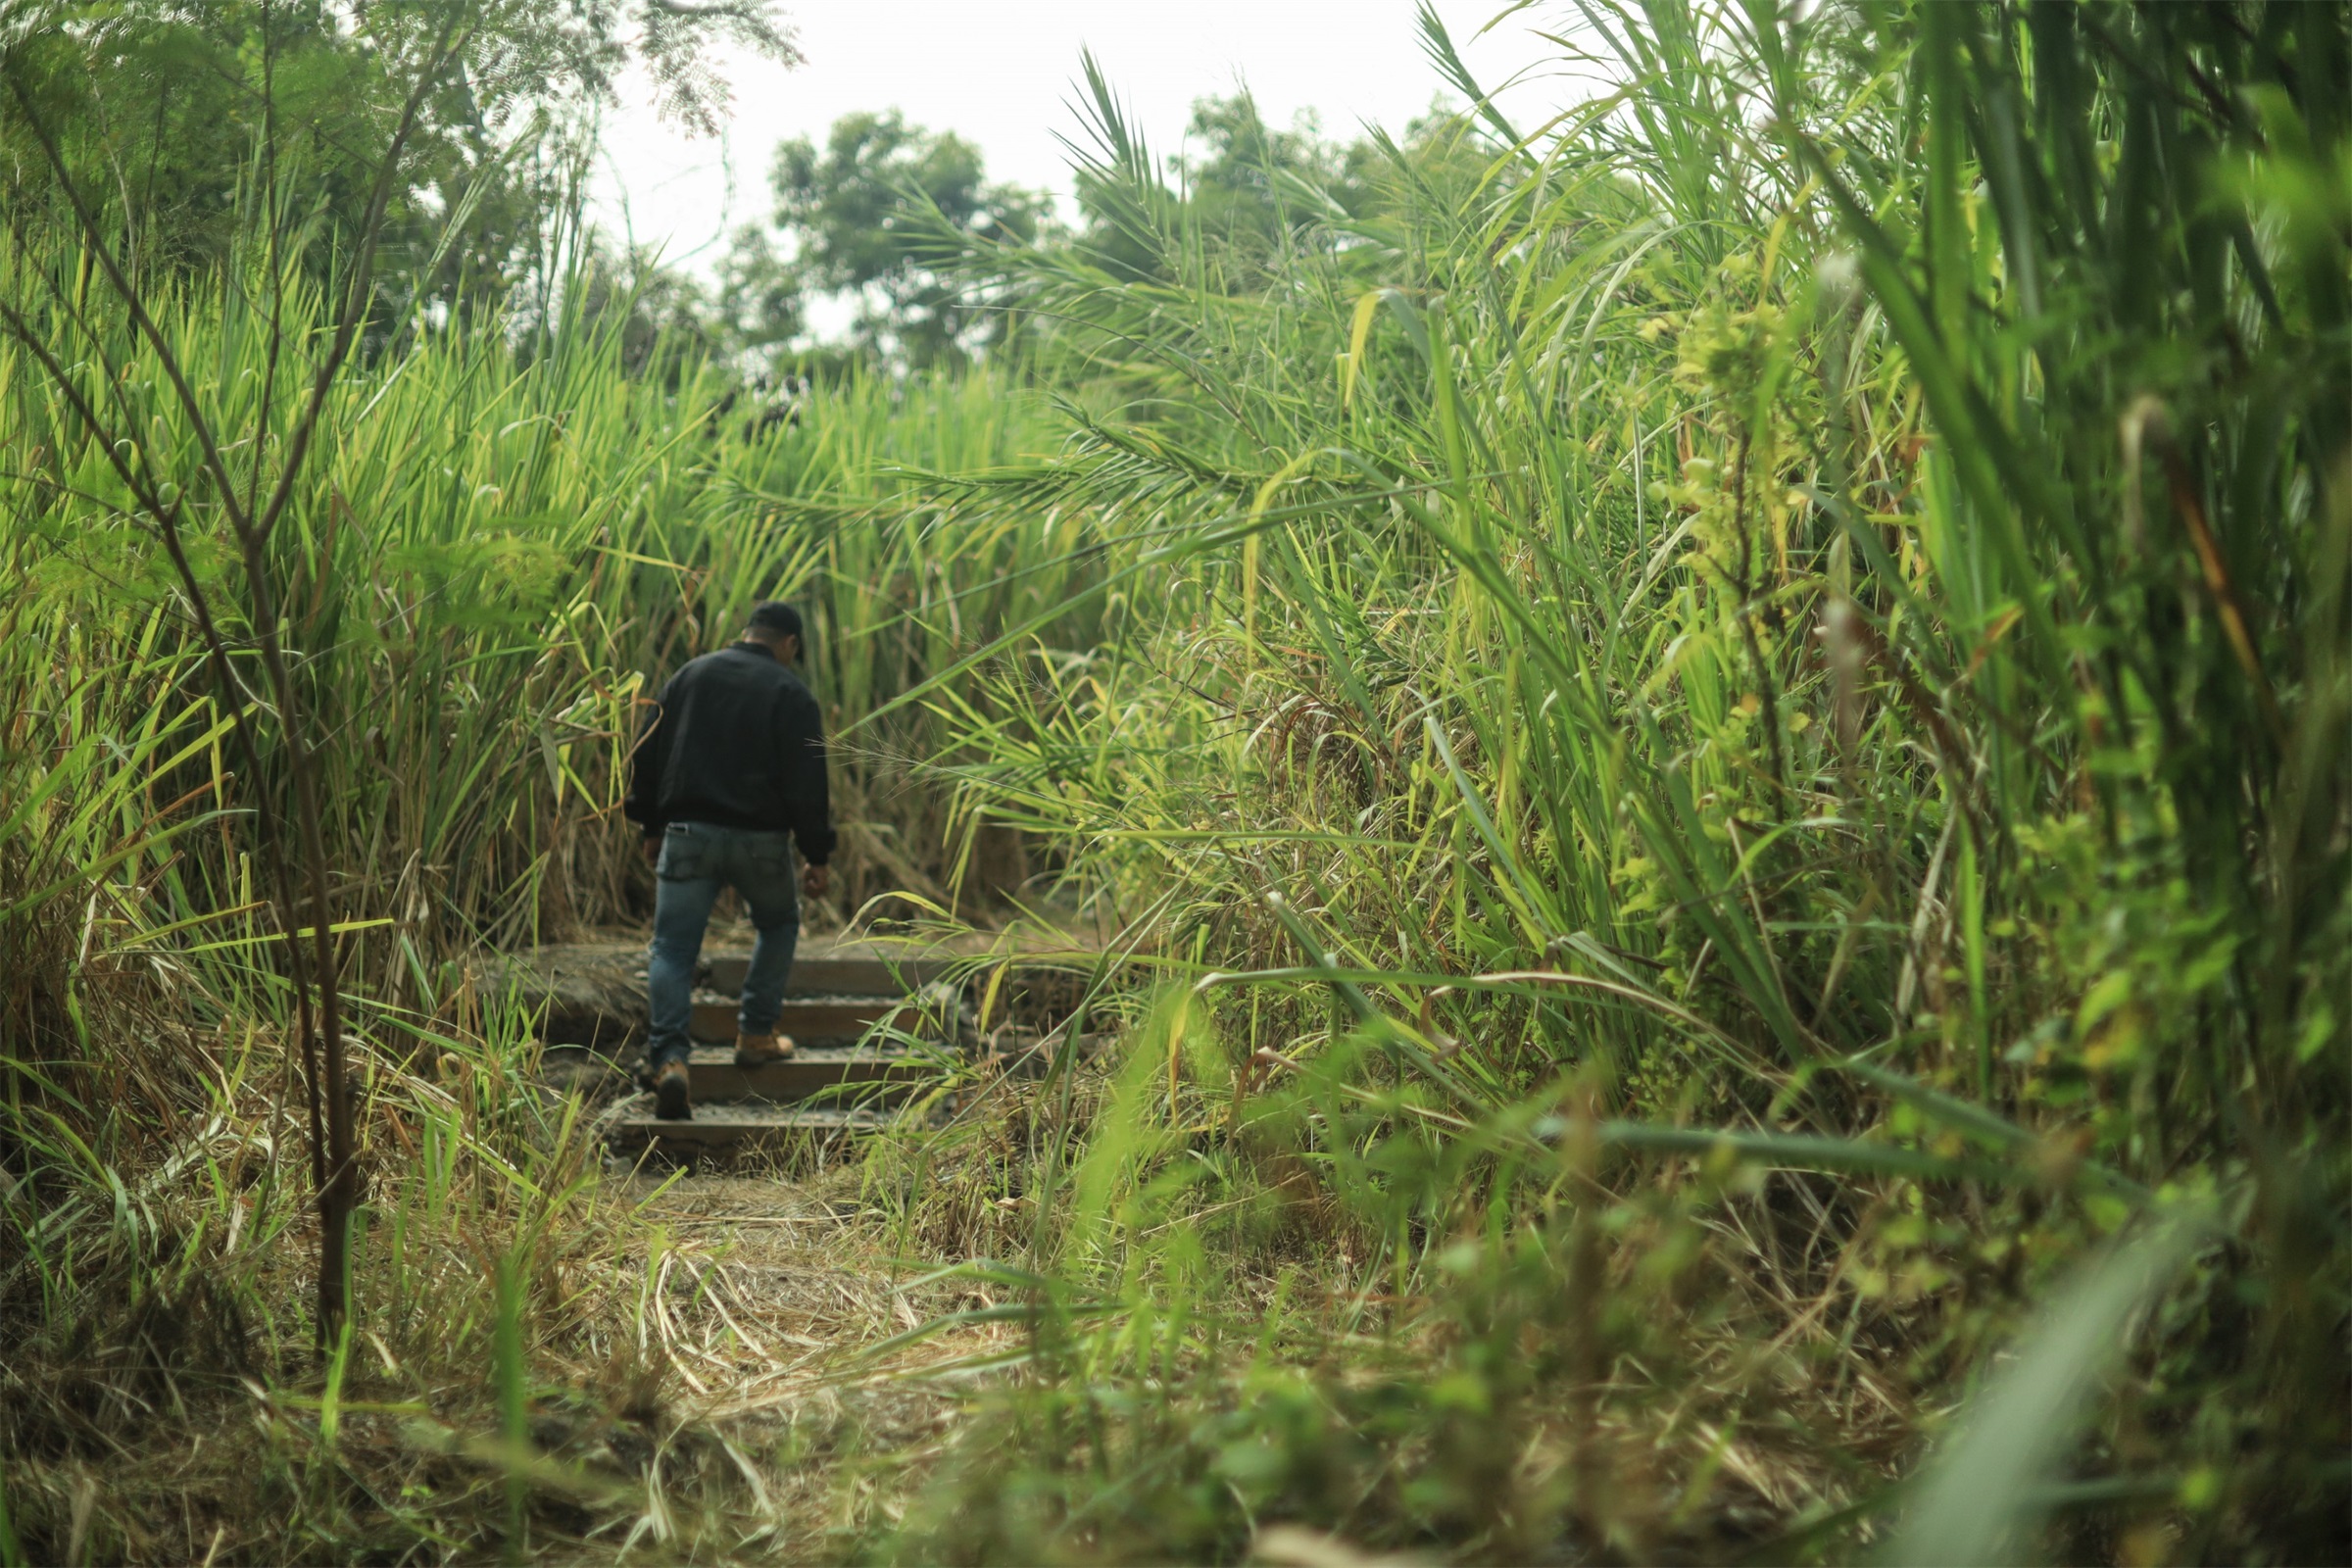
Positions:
{"x": 188, "y": 128}
{"x": 876, "y": 214}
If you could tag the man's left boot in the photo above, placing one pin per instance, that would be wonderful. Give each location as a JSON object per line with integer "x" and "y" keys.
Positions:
{"x": 758, "y": 1050}
{"x": 671, "y": 1101}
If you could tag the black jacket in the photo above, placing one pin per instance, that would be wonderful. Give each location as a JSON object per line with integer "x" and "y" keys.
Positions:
{"x": 737, "y": 742}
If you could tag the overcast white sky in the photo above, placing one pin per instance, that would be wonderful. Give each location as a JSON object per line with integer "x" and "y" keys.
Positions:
{"x": 1001, "y": 75}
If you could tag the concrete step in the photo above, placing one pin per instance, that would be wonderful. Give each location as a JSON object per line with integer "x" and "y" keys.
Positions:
{"x": 824, "y": 974}
{"x": 805, "y": 1018}
{"x": 878, "y": 1077}
{"x": 726, "y": 1130}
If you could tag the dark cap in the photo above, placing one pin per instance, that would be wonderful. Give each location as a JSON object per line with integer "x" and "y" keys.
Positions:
{"x": 775, "y": 617}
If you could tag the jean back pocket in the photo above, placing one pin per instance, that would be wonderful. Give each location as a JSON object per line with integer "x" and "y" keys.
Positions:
{"x": 685, "y": 853}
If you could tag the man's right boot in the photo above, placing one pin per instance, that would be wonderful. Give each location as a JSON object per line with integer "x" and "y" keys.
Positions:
{"x": 670, "y": 1100}
{"x": 758, "y": 1050}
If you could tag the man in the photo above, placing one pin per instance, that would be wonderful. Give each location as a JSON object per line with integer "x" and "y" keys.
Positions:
{"x": 729, "y": 773}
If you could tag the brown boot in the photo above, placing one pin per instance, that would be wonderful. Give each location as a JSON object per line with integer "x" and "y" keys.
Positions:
{"x": 670, "y": 1100}
{"x": 758, "y": 1050}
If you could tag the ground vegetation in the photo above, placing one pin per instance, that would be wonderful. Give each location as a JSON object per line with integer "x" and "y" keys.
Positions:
{"x": 1703, "y": 742}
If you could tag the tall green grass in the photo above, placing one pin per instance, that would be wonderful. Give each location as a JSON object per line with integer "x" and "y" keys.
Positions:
{"x": 500, "y": 543}
{"x": 498, "y": 560}
{"x": 492, "y": 563}
{"x": 158, "y": 1231}
{"x": 1744, "y": 764}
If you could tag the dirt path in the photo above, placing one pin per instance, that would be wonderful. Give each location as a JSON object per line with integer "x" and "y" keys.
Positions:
{"x": 776, "y": 1297}
{"x": 796, "y": 1352}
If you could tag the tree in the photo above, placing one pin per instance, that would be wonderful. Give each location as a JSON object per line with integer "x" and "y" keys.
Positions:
{"x": 174, "y": 119}
{"x": 1253, "y": 188}
{"x": 761, "y": 307}
{"x": 880, "y": 214}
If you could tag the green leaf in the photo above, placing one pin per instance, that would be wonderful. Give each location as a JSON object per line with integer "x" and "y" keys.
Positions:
{"x": 1980, "y": 1487}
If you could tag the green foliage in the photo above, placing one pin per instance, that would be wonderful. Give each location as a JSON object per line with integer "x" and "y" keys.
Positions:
{"x": 492, "y": 560}
{"x": 1722, "y": 723}
{"x": 1820, "y": 579}
{"x": 182, "y": 122}
{"x": 1249, "y": 195}
{"x": 878, "y": 215}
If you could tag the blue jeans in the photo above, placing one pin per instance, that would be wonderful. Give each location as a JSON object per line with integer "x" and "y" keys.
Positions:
{"x": 697, "y": 860}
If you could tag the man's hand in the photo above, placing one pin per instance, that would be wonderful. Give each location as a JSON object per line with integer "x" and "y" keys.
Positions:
{"x": 653, "y": 851}
{"x": 814, "y": 879}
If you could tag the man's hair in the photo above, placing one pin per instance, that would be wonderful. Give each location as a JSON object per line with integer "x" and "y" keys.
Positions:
{"x": 775, "y": 618}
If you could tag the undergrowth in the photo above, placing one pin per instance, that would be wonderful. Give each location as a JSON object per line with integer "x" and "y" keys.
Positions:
{"x": 1709, "y": 736}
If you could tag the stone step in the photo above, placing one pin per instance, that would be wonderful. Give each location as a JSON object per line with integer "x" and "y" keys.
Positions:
{"x": 824, "y": 974}
{"x": 881, "y": 1077}
{"x": 739, "y": 1128}
{"x": 803, "y": 1018}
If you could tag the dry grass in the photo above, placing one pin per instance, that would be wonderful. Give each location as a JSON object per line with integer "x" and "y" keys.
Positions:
{"x": 698, "y": 1374}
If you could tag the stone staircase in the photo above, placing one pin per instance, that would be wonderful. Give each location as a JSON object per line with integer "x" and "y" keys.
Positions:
{"x": 873, "y": 1028}
{"x": 869, "y": 1032}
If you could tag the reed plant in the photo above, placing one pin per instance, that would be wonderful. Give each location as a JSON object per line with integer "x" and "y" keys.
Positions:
{"x": 503, "y": 545}
{"x": 158, "y": 1217}
{"x": 1741, "y": 778}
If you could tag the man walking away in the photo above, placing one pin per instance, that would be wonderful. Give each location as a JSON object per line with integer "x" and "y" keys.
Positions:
{"x": 729, "y": 773}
